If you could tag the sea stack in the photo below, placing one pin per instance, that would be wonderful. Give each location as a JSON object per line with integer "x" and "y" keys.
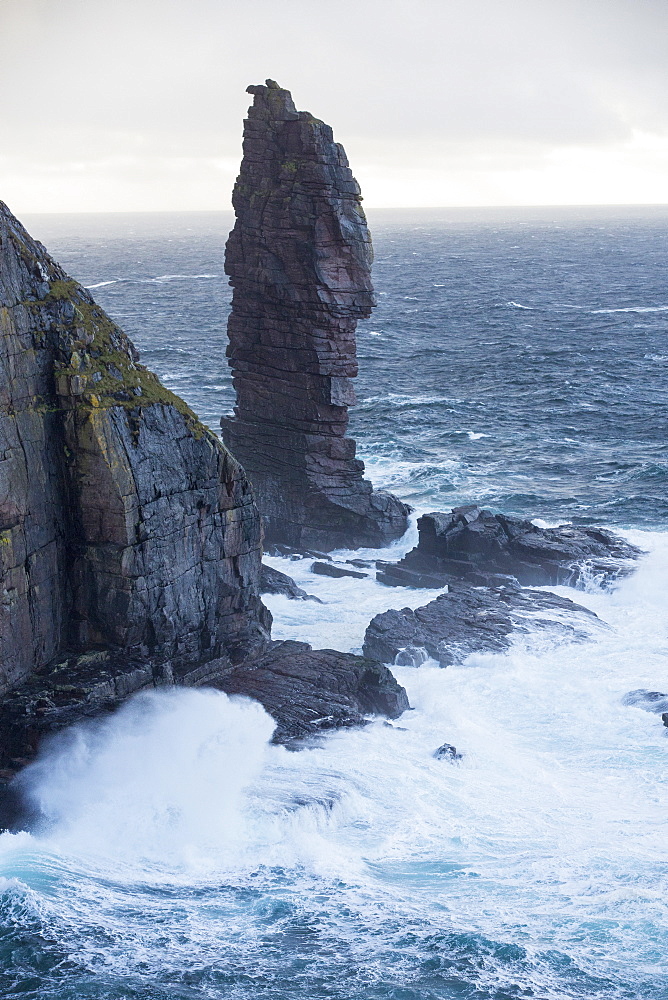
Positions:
{"x": 299, "y": 260}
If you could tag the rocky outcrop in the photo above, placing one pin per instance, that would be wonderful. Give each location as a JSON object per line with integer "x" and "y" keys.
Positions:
{"x": 299, "y": 261}
{"x": 130, "y": 543}
{"x": 125, "y": 525}
{"x": 305, "y": 690}
{"x": 310, "y": 691}
{"x": 272, "y": 581}
{"x": 447, "y": 752}
{"x": 470, "y": 619}
{"x": 475, "y": 545}
{"x": 649, "y": 701}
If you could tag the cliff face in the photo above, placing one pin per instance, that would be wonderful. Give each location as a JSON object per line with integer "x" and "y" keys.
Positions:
{"x": 299, "y": 260}
{"x": 124, "y": 523}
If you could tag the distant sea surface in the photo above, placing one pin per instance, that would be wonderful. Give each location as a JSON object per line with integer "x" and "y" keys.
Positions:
{"x": 516, "y": 359}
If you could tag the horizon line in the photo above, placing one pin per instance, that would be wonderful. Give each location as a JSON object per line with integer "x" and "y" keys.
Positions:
{"x": 374, "y": 208}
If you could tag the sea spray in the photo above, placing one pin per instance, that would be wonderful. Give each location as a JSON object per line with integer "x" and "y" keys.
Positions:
{"x": 162, "y": 778}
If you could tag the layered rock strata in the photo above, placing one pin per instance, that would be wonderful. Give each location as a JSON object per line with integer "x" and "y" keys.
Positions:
{"x": 299, "y": 260}
{"x": 470, "y": 619}
{"x": 124, "y": 523}
{"x": 475, "y": 545}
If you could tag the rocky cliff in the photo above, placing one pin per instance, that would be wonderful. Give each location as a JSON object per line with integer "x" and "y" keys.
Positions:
{"x": 124, "y": 523}
{"x": 299, "y": 261}
{"x": 130, "y": 543}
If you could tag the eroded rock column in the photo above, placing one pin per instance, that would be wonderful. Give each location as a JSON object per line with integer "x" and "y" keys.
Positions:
{"x": 299, "y": 260}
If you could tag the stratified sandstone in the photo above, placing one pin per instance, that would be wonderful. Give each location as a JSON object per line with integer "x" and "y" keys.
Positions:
{"x": 124, "y": 523}
{"x": 299, "y": 260}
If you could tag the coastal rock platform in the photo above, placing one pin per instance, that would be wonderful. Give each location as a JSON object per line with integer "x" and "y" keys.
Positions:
{"x": 470, "y": 619}
{"x": 472, "y": 544}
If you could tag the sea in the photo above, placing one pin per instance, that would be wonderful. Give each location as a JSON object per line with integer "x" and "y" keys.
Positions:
{"x": 517, "y": 359}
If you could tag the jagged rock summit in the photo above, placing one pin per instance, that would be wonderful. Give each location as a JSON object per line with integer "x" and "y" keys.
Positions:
{"x": 299, "y": 261}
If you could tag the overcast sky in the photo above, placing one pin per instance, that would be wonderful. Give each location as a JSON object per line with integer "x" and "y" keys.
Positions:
{"x": 126, "y": 105}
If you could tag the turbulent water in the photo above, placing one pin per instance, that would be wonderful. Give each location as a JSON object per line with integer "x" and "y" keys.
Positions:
{"x": 518, "y": 359}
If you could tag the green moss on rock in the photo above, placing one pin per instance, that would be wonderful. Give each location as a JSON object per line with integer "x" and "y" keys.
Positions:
{"x": 100, "y": 367}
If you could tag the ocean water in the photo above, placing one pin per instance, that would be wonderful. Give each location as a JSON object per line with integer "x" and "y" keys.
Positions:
{"x": 516, "y": 358}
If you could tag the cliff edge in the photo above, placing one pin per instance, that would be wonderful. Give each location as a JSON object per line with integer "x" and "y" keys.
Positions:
{"x": 130, "y": 543}
{"x": 124, "y": 522}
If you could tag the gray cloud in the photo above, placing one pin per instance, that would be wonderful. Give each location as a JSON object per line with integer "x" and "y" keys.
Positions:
{"x": 118, "y": 94}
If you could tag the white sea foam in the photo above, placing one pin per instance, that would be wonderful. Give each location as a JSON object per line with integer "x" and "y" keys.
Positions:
{"x": 161, "y": 279}
{"x": 162, "y": 779}
{"x": 549, "y": 833}
{"x": 632, "y": 309}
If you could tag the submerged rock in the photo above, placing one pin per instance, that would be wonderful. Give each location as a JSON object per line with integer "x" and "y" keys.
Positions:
{"x": 487, "y": 549}
{"x": 327, "y": 569}
{"x": 310, "y": 690}
{"x": 299, "y": 261}
{"x": 272, "y": 581}
{"x": 649, "y": 701}
{"x": 471, "y": 619}
{"x": 447, "y": 752}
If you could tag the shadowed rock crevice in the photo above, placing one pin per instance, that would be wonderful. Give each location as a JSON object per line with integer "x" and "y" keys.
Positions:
{"x": 299, "y": 261}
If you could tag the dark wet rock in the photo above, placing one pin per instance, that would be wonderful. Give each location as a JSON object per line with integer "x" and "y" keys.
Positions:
{"x": 310, "y": 690}
{"x": 470, "y": 619}
{"x": 328, "y": 569}
{"x": 276, "y": 549}
{"x": 272, "y": 581}
{"x": 447, "y": 752}
{"x": 485, "y": 549}
{"x": 81, "y": 687}
{"x": 299, "y": 261}
{"x": 649, "y": 701}
{"x": 124, "y": 523}
{"x": 360, "y": 563}
{"x": 664, "y": 719}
